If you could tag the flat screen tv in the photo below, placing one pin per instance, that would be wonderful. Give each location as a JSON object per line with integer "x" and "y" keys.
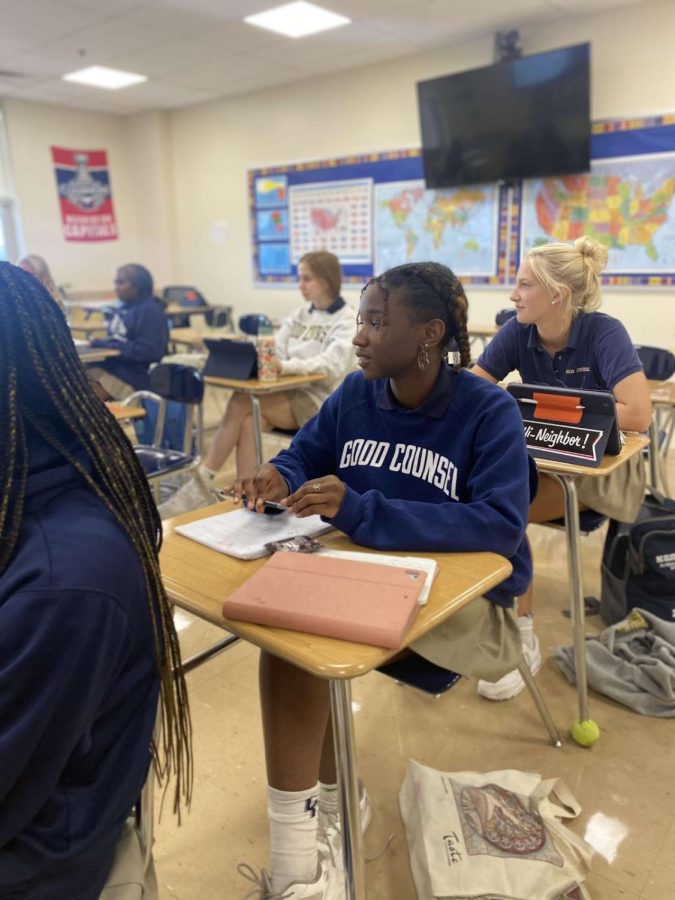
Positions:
{"x": 522, "y": 118}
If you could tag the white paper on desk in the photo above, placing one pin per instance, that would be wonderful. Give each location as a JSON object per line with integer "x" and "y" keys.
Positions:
{"x": 81, "y": 343}
{"x": 243, "y": 533}
{"x": 428, "y": 566}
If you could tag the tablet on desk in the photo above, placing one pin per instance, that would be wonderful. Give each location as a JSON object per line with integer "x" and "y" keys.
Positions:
{"x": 567, "y": 424}
{"x": 231, "y": 359}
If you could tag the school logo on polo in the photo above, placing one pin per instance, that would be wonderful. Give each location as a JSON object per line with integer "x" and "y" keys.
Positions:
{"x": 408, "y": 459}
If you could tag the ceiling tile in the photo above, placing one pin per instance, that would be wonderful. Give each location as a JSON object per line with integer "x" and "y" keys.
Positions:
{"x": 168, "y": 57}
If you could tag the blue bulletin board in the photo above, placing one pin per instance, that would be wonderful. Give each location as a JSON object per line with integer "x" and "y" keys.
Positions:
{"x": 374, "y": 212}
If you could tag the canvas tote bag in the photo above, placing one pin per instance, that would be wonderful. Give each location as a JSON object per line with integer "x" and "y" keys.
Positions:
{"x": 491, "y": 835}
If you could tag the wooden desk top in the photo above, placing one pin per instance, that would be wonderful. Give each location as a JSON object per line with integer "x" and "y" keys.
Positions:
{"x": 482, "y": 330}
{"x": 88, "y": 327}
{"x": 254, "y": 386}
{"x": 199, "y": 579}
{"x": 122, "y": 412}
{"x": 634, "y": 444}
{"x": 173, "y": 309}
{"x": 96, "y": 354}
{"x": 193, "y": 338}
{"x": 662, "y": 393}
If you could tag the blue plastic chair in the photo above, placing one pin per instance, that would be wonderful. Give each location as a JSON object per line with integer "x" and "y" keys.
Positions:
{"x": 176, "y": 391}
{"x": 503, "y": 316}
{"x": 251, "y": 323}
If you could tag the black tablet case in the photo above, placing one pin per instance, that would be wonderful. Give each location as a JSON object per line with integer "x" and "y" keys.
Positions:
{"x": 231, "y": 359}
{"x": 568, "y": 424}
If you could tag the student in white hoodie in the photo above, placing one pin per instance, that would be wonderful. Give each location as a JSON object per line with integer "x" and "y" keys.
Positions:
{"x": 315, "y": 338}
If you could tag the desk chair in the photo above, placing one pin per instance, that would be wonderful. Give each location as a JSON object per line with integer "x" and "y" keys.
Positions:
{"x": 250, "y": 323}
{"x": 504, "y": 315}
{"x": 190, "y": 298}
{"x": 161, "y": 458}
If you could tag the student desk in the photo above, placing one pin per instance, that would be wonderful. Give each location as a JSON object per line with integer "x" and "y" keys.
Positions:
{"x": 123, "y": 413}
{"x": 256, "y": 389}
{"x": 89, "y": 355}
{"x": 565, "y": 474}
{"x": 89, "y": 328}
{"x": 173, "y": 309}
{"x": 481, "y": 333}
{"x": 194, "y": 339}
{"x": 198, "y": 579}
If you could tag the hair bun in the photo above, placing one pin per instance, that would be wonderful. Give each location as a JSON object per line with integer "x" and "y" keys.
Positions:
{"x": 592, "y": 251}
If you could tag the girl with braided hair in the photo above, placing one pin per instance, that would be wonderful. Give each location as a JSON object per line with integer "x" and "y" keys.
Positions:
{"x": 558, "y": 338}
{"x": 87, "y": 643}
{"x": 409, "y": 454}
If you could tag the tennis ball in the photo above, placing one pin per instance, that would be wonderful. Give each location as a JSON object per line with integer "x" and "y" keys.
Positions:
{"x": 585, "y": 733}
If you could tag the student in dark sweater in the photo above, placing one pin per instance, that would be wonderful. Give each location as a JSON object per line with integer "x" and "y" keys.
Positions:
{"x": 409, "y": 454}
{"x": 138, "y": 329}
{"x": 87, "y": 643}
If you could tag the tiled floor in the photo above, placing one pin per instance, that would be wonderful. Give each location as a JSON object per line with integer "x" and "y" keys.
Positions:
{"x": 625, "y": 783}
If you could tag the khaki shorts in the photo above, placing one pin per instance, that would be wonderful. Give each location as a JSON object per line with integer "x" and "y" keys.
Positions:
{"x": 303, "y": 406}
{"x": 118, "y": 389}
{"x": 482, "y": 639}
{"x": 618, "y": 495}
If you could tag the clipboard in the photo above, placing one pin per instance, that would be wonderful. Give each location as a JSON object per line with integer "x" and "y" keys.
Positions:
{"x": 231, "y": 359}
{"x": 568, "y": 425}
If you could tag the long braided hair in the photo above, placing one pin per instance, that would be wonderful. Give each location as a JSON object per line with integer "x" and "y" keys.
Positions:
{"x": 46, "y": 389}
{"x": 432, "y": 291}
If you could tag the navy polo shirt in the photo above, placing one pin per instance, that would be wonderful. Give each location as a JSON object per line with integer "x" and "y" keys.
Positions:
{"x": 599, "y": 354}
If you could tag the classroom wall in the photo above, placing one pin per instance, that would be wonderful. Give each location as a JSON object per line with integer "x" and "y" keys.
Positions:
{"x": 374, "y": 108}
{"x": 140, "y": 175}
{"x": 179, "y": 178}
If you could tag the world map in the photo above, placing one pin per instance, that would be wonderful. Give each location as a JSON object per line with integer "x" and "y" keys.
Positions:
{"x": 458, "y": 227}
{"x": 628, "y": 205}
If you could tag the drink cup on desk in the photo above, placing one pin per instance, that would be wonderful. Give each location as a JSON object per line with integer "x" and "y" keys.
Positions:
{"x": 267, "y": 364}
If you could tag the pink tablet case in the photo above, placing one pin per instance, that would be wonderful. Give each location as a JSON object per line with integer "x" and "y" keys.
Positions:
{"x": 353, "y": 601}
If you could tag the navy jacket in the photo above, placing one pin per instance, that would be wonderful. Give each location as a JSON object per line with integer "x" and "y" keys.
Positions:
{"x": 451, "y": 475}
{"x": 78, "y": 689}
{"x": 140, "y": 332}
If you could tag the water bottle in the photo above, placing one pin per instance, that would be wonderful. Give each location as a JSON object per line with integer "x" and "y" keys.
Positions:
{"x": 267, "y": 370}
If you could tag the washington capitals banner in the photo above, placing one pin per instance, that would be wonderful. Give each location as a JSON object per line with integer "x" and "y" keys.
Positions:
{"x": 83, "y": 184}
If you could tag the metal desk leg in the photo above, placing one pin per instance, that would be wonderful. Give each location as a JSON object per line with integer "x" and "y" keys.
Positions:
{"x": 654, "y": 480}
{"x": 584, "y": 730}
{"x": 348, "y": 790}
{"x": 257, "y": 429}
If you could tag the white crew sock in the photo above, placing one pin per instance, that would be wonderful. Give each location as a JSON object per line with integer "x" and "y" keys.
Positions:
{"x": 526, "y": 626}
{"x": 293, "y": 848}
{"x": 207, "y": 474}
{"x": 328, "y": 804}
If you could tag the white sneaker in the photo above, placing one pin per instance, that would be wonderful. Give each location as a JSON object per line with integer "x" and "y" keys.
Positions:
{"x": 329, "y": 885}
{"x": 511, "y": 684}
{"x": 330, "y": 821}
{"x": 192, "y": 495}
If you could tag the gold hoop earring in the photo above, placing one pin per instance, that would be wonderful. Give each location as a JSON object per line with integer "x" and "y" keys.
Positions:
{"x": 423, "y": 359}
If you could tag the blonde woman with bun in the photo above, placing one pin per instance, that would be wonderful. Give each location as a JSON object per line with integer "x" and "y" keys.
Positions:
{"x": 37, "y": 267}
{"x": 558, "y": 338}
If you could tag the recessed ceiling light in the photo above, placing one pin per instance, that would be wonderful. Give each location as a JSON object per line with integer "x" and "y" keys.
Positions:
{"x": 297, "y": 19}
{"x": 102, "y": 77}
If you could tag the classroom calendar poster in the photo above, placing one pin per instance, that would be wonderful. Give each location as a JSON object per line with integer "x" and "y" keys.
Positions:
{"x": 85, "y": 196}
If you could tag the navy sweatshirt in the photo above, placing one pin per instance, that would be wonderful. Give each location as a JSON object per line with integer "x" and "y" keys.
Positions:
{"x": 451, "y": 475}
{"x": 78, "y": 689}
{"x": 140, "y": 332}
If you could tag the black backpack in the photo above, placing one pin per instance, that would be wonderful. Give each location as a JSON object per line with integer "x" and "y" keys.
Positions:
{"x": 638, "y": 563}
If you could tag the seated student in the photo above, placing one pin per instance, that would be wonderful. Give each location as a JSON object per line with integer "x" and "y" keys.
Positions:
{"x": 87, "y": 641}
{"x": 316, "y": 338}
{"x": 408, "y": 454}
{"x": 138, "y": 329}
{"x": 557, "y": 338}
{"x": 37, "y": 267}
